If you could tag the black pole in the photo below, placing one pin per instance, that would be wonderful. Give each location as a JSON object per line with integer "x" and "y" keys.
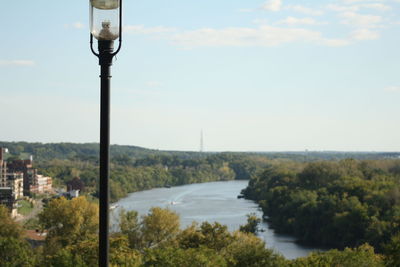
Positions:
{"x": 105, "y": 61}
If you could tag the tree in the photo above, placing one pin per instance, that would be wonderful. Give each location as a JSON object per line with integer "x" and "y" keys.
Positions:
{"x": 361, "y": 256}
{"x": 247, "y": 250}
{"x": 69, "y": 221}
{"x": 130, "y": 226}
{"x": 392, "y": 251}
{"x": 173, "y": 257}
{"x": 159, "y": 227}
{"x": 252, "y": 224}
{"x": 14, "y": 250}
{"x": 214, "y": 236}
{"x": 8, "y": 227}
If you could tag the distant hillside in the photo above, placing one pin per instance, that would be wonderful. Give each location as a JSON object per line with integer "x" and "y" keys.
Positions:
{"x": 329, "y": 155}
{"x": 136, "y": 168}
{"x": 85, "y": 151}
{"x": 90, "y": 151}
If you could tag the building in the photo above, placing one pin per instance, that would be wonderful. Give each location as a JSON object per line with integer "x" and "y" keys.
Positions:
{"x": 7, "y": 199}
{"x": 3, "y": 168}
{"x": 20, "y": 175}
{"x": 14, "y": 180}
{"x": 40, "y": 184}
{"x": 32, "y": 181}
{"x": 29, "y": 173}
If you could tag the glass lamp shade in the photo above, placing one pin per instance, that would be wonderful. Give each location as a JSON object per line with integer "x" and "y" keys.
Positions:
{"x": 104, "y": 19}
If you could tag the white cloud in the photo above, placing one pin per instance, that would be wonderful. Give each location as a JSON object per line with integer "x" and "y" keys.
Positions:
{"x": 262, "y": 36}
{"x": 245, "y": 37}
{"x": 339, "y": 8}
{"x": 141, "y": 29}
{"x": 153, "y": 84}
{"x": 358, "y": 1}
{"x": 359, "y": 20}
{"x": 392, "y": 89}
{"x": 75, "y": 25}
{"x": 272, "y": 5}
{"x": 298, "y": 21}
{"x": 377, "y": 6}
{"x": 17, "y": 63}
{"x": 78, "y": 25}
{"x": 335, "y": 42}
{"x": 260, "y": 21}
{"x": 364, "y": 34}
{"x": 354, "y": 8}
{"x": 305, "y": 10}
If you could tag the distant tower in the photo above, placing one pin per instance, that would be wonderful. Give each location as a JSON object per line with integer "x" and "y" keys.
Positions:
{"x": 201, "y": 142}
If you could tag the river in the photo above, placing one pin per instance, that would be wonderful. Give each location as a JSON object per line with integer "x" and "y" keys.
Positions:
{"x": 212, "y": 202}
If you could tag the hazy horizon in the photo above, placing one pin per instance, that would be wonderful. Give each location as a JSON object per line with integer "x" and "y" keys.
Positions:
{"x": 219, "y": 151}
{"x": 259, "y": 75}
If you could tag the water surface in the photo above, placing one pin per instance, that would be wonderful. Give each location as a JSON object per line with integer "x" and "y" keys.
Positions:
{"x": 212, "y": 202}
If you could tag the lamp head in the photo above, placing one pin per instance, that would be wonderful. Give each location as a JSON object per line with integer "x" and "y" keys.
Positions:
{"x": 105, "y": 19}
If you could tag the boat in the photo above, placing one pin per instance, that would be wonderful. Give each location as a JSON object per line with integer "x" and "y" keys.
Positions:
{"x": 113, "y": 206}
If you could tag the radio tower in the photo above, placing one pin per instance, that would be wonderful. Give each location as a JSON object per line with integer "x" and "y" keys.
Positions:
{"x": 201, "y": 141}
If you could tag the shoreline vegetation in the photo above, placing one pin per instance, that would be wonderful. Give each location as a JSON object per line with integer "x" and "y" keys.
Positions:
{"x": 135, "y": 169}
{"x": 339, "y": 204}
{"x": 155, "y": 239}
{"x": 319, "y": 197}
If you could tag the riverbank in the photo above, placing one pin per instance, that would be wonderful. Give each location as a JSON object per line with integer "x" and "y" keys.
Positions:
{"x": 212, "y": 202}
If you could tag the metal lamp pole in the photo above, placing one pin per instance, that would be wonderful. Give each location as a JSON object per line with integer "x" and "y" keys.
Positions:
{"x": 106, "y": 36}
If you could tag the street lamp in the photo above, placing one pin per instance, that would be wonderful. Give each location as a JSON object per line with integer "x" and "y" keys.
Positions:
{"x": 105, "y": 26}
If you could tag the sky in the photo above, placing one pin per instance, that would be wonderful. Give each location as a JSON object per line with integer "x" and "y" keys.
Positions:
{"x": 253, "y": 75}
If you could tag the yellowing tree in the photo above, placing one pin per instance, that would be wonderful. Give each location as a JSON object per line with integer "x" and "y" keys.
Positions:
{"x": 69, "y": 221}
{"x": 159, "y": 227}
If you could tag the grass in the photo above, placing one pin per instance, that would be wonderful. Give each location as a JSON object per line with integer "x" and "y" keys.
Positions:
{"x": 25, "y": 207}
{"x": 32, "y": 224}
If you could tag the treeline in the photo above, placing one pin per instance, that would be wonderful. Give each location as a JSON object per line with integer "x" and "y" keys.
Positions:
{"x": 155, "y": 239}
{"x": 90, "y": 151}
{"x": 134, "y": 168}
{"x": 86, "y": 151}
{"x": 337, "y": 204}
{"x": 129, "y": 175}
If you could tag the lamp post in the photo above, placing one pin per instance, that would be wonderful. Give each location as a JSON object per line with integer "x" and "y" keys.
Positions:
{"x": 105, "y": 26}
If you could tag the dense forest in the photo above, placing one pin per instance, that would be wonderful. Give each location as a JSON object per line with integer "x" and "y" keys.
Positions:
{"x": 133, "y": 168}
{"x": 323, "y": 198}
{"x": 156, "y": 239}
{"x": 332, "y": 203}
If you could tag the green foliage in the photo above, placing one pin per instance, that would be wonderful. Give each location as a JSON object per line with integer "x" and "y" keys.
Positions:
{"x": 392, "y": 251}
{"x": 8, "y": 227}
{"x": 358, "y": 257}
{"x": 172, "y": 257}
{"x": 215, "y": 236}
{"x": 25, "y": 207}
{"x": 15, "y": 252}
{"x": 339, "y": 204}
{"x": 159, "y": 228}
{"x": 248, "y": 250}
{"x": 153, "y": 171}
{"x": 85, "y": 254}
{"x": 252, "y": 224}
{"x": 134, "y": 168}
{"x": 130, "y": 227}
{"x": 68, "y": 222}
